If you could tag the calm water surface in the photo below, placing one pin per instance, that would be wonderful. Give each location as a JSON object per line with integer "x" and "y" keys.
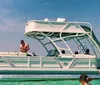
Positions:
{"x": 49, "y": 82}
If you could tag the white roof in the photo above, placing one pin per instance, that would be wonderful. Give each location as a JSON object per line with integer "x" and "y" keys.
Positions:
{"x": 53, "y": 26}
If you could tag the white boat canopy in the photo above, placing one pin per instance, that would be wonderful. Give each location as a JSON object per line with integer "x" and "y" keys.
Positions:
{"x": 64, "y": 28}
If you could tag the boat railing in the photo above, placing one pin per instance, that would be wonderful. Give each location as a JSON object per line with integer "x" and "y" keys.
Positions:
{"x": 14, "y": 54}
{"x": 8, "y": 61}
{"x": 32, "y": 62}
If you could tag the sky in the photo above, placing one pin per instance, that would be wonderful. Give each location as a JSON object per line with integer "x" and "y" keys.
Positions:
{"x": 13, "y": 13}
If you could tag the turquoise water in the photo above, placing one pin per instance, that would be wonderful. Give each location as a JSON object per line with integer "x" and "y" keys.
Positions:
{"x": 49, "y": 82}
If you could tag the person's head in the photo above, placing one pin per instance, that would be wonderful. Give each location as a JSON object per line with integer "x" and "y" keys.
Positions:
{"x": 87, "y": 51}
{"x": 63, "y": 51}
{"x": 84, "y": 79}
{"x": 22, "y": 42}
{"x": 76, "y": 52}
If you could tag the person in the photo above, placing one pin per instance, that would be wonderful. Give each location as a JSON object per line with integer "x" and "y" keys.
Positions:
{"x": 24, "y": 47}
{"x": 87, "y": 52}
{"x": 76, "y": 52}
{"x": 84, "y": 79}
{"x": 63, "y": 51}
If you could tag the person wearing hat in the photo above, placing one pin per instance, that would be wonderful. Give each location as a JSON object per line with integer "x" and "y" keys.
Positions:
{"x": 84, "y": 79}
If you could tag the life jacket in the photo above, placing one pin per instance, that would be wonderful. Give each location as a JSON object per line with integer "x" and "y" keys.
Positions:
{"x": 24, "y": 47}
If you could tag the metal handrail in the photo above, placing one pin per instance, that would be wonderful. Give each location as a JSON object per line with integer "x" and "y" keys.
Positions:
{"x": 9, "y": 62}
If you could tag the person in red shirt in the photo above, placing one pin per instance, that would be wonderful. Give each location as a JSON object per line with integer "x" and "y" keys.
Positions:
{"x": 24, "y": 47}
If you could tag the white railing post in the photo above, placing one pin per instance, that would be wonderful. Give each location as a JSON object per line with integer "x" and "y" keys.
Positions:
{"x": 29, "y": 62}
{"x": 89, "y": 63}
{"x": 40, "y": 62}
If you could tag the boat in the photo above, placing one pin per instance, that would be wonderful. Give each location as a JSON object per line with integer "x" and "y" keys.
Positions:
{"x": 72, "y": 49}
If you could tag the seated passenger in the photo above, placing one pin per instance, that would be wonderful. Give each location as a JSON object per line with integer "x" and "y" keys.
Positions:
{"x": 76, "y": 52}
{"x": 84, "y": 79}
{"x": 63, "y": 51}
{"x": 87, "y": 51}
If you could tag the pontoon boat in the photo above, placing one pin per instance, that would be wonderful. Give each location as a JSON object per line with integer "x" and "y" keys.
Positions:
{"x": 72, "y": 49}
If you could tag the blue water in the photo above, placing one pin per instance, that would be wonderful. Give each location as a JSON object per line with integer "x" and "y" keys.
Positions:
{"x": 49, "y": 82}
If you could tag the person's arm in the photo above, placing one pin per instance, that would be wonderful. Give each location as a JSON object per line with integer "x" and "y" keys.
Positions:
{"x": 27, "y": 47}
{"x": 22, "y": 49}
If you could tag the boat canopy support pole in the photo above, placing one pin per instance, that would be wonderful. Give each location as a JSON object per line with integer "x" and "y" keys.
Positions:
{"x": 91, "y": 44}
{"x": 93, "y": 41}
{"x": 79, "y": 43}
{"x": 43, "y": 45}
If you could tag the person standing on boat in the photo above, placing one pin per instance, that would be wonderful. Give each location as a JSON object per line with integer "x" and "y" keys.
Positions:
{"x": 24, "y": 47}
{"x": 84, "y": 79}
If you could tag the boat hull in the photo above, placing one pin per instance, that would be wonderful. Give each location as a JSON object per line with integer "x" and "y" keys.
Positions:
{"x": 44, "y": 75}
